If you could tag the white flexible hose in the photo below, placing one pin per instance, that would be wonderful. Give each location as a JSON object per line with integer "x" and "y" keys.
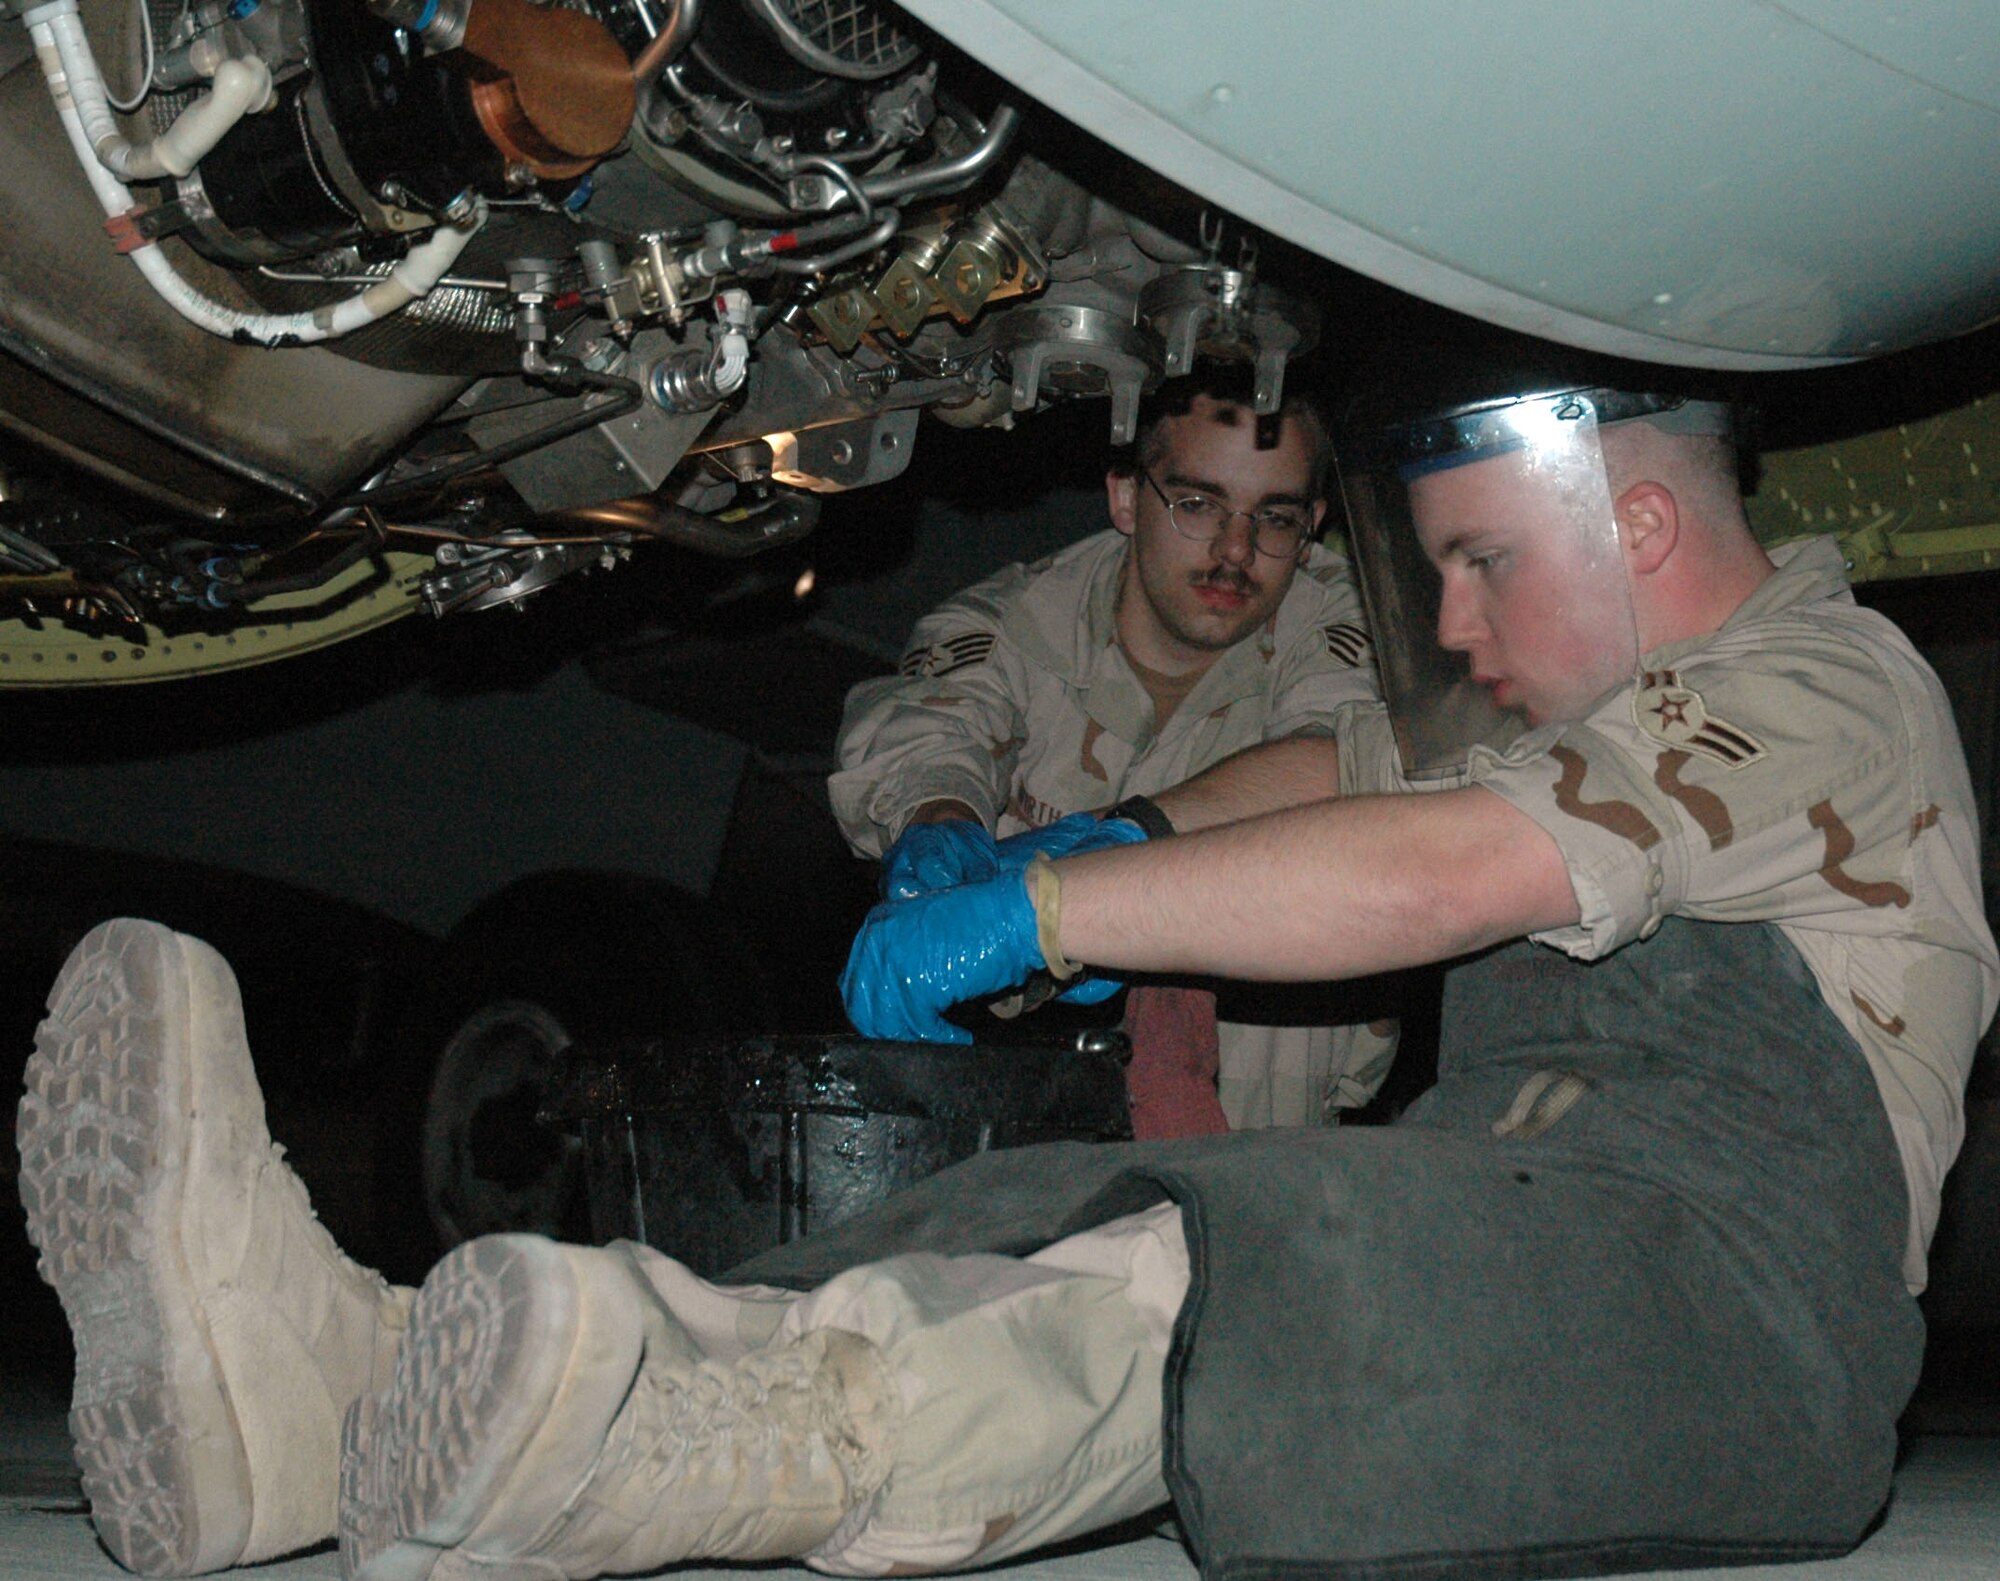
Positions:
{"x": 734, "y": 364}
{"x": 240, "y": 88}
{"x": 731, "y": 361}
{"x": 732, "y": 353}
{"x": 148, "y": 58}
{"x": 78, "y": 92}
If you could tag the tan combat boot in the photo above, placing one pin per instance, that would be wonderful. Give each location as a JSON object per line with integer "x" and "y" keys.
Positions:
{"x": 220, "y": 1334}
{"x": 549, "y": 1417}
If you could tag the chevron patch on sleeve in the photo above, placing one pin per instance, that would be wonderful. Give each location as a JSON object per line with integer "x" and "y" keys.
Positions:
{"x": 949, "y": 655}
{"x": 1349, "y": 644}
{"x": 1674, "y": 713}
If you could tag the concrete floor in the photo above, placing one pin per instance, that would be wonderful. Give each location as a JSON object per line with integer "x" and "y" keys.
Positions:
{"x": 1944, "y": 1524}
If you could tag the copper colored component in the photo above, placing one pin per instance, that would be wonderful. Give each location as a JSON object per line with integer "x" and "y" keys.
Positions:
{"x": 76, "y": 598}
{"x": 550, "y": 85}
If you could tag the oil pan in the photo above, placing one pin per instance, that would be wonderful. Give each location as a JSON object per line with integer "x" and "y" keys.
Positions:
{"x": 714, "y": 1152}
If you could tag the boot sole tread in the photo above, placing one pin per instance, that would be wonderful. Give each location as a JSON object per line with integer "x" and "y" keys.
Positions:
{"x": 100, "y": 1170}
{"x": 420, "y": 1463}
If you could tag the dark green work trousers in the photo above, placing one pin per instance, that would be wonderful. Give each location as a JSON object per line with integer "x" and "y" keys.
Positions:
{"x": 1622, "y": 1291}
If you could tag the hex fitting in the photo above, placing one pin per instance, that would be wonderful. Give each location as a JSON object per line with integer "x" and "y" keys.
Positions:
{"x": 439, "y": 23}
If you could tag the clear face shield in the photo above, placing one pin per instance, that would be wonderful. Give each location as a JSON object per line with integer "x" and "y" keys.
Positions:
{"x": 1490, "y": 559}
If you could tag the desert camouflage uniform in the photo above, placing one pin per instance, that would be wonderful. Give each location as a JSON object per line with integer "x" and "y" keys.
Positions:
{"x": 1798, "y": 767}
{"x": 1015, "y": 698}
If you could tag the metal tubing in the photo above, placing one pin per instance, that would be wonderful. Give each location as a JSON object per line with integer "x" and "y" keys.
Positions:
{"x": 782, "y": 519}
{"x": 668, "y": 42}
{"x": 949, "y": 174}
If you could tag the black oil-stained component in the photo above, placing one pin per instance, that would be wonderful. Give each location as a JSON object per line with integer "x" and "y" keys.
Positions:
{"x": 716, "y": 1152}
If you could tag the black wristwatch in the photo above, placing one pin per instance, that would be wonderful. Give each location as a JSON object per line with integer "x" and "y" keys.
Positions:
{"x": 1145, "y": 812}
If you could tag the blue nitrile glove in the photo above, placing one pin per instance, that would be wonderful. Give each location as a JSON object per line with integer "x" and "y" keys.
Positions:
{"x": 928, "y": 856}
{"x": 1071, "y": 836}
{"x": 914, "y": 959}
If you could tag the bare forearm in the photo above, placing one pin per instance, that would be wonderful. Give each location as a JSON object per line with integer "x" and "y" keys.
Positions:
{"x": 1335, "y": 889}
{"x": 1260, "y": 779}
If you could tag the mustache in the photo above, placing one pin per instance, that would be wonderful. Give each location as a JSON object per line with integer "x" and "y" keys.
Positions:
{"x": 1234, "y": 578}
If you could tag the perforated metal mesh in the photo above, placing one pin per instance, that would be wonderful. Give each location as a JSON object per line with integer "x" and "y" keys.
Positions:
{"x": 847, "y": 38}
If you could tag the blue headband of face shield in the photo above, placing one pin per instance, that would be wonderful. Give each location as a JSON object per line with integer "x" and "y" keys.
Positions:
{"x": 1479, "y": 433}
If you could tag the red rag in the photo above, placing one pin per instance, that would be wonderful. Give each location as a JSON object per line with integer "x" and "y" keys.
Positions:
{"x": 1175, "y": 1056}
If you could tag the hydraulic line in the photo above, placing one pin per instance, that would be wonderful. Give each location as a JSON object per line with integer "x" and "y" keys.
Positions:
{"x": 949, "y": 174}
{"x": 660, "y": 52}
{"x": 365, "y": 543}
{"x": 665, "y": 45}
{"x": 841, "y": 177}
{"x": 626, "y": 397}
{"x": 694, "y": 382}
{"x": 148, "y": 59}
{"x": 887, "y": 223}
{"x": 734, "y": 534}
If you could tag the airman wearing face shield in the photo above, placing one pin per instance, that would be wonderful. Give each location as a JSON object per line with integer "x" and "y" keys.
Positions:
{"x": 1630, "y": 1286}
{"x": 1734, "y": 804}
{"x": 1494, "y": 552}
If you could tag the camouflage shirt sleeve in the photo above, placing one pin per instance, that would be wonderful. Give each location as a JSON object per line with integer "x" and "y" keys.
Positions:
{"x": 1805, "y": 772}
{"x": 1326, "y": 661}
{"x": 947, "y": 724}
{"x": 1774, "y": 776}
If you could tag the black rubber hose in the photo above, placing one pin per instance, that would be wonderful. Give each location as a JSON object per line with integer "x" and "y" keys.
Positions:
{"x": 628, "y": 397}
{"x": 265, "y": 587}
{"x": 783, "y": 518}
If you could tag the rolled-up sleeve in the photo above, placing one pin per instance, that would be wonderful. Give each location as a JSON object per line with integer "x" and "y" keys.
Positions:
{"x": 1763, "y": 788}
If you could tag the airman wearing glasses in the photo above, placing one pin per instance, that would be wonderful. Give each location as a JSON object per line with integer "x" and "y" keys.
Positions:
{"x": 1187, "y": 665}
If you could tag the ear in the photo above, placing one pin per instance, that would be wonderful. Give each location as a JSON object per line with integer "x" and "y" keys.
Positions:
{"x": 1312, "y": 534}
{"x": 1649, "y": 525}
{"x": 1122, "y": 491}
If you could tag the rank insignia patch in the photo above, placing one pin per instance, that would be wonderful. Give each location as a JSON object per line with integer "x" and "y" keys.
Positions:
{"x": 1670, "y": 712}
{"x": 954, "y": 653}
{"x": 1348, "y": 644}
